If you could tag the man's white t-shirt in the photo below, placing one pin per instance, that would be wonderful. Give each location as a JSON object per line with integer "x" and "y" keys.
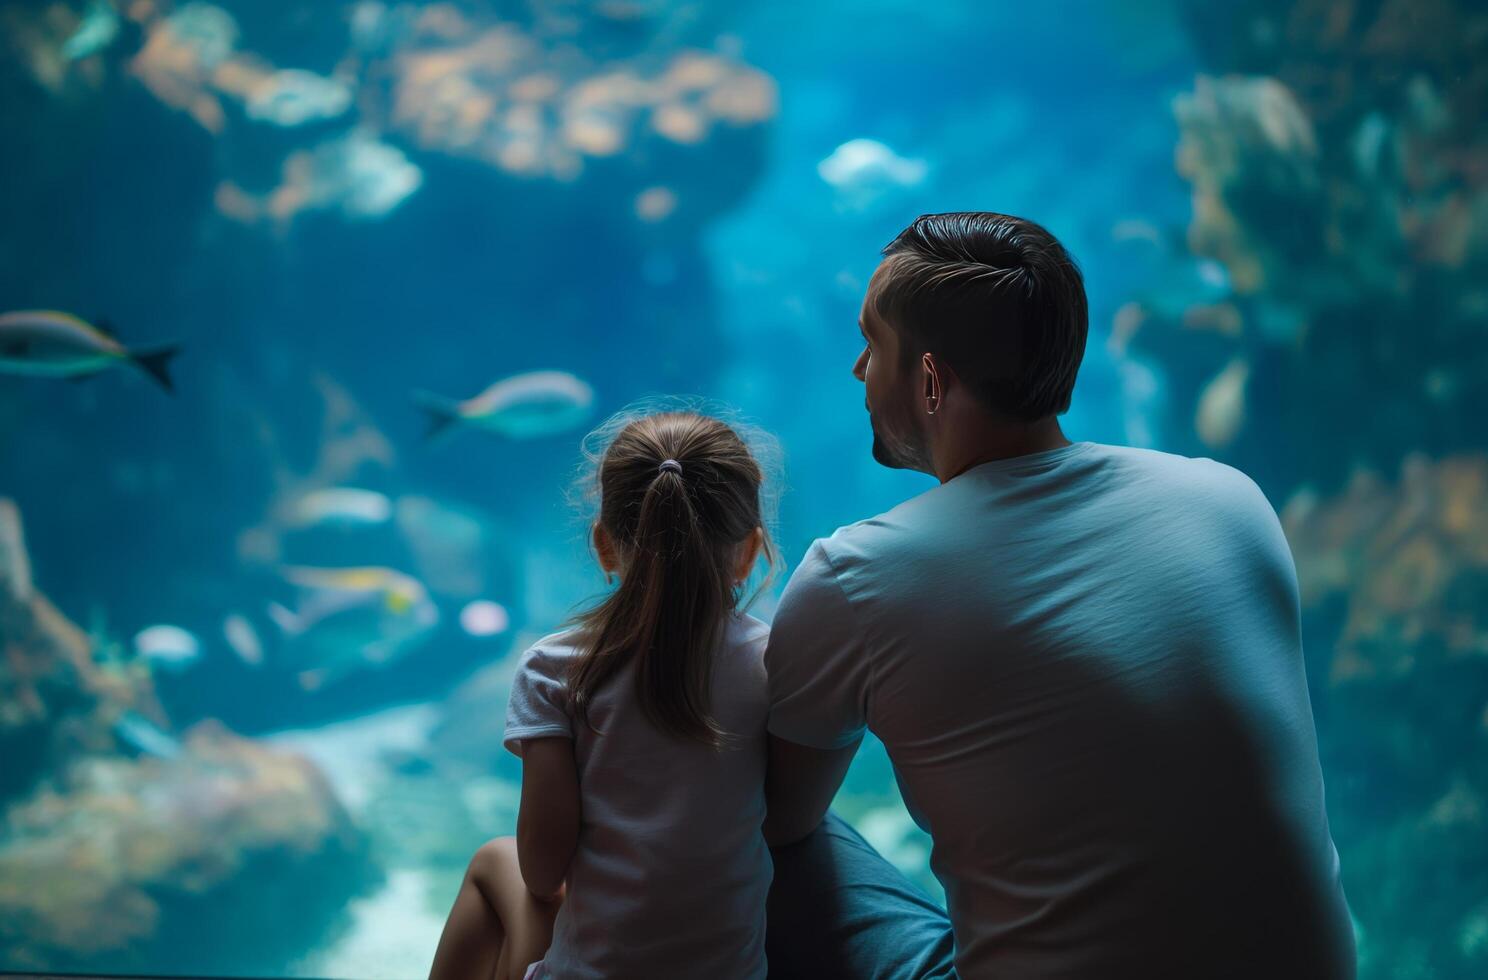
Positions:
{"x": 1086, "y": 666}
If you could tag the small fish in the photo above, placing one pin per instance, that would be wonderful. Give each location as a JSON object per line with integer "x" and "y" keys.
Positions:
{"x": 292, "y": 97}
{"x": 482, "y": 617}
{"x": 1137, "y": 230}
{"x": 143, "y": 735}
{"x": 524, "y": 406}
{"x": 864, "y": 165}
{"x": 339, "y": 507}
{"x": 97, "y": 30}
{"x": 352, "y": 617}
{"x": 167, "y": 646}
{"x": 243, "y": 639}
{"x": 1221, "y": 410}
{"x": 52, "y": 344}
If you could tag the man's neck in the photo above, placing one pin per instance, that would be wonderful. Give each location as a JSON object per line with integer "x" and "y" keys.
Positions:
{"x": 978, "y": 441}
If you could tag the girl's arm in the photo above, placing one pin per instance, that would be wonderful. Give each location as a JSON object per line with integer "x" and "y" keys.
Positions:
{"x": 548, "y": 820}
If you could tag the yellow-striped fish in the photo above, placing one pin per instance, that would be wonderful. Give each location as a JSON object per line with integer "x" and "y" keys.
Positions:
{"x": 352, "y": 618}
{"x": 52, "y": 344}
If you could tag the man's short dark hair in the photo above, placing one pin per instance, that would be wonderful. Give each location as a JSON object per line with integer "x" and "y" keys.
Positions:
{"x": 998, "y": 298}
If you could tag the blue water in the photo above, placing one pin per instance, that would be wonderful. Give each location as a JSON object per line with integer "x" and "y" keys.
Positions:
{"x": 306, "y": 323}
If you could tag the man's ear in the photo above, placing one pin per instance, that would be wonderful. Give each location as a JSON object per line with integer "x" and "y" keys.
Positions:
{"x": 932, "y": 391}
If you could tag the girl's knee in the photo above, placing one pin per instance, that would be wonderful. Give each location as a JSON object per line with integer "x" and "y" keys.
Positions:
{"x": 491, "y": 858}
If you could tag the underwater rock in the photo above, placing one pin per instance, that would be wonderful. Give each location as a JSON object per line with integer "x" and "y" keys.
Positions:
{"x": 357, "y": 175}
{"x": 1394, "y": 584}
{"x": 1245, "y": 137}
{"x": 121, "y": 842}
{"x": 180, "y": 55}
{"x": 496, "y": 93}
{"x": 117, "y": 863}
{"x": 538, "y": 93}
{"x": 1340, "y": 191}
{"x": 56, "y": 699}
{"x": 1410, "y": 562}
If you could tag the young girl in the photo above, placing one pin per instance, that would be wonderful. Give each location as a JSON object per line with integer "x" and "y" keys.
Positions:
{"x": 639, "y": 848}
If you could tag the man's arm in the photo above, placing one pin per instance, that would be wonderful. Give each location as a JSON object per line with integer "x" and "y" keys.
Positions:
{"x": 818, "y": 672}
{"x": 799, "y": 786}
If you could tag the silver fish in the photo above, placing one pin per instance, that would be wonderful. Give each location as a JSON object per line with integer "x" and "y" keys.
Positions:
{"x": 97, "y": 30}
{"x": 143, "y": 735}
{"x": 524, "y": 406}
{"x": 53, "y": 344}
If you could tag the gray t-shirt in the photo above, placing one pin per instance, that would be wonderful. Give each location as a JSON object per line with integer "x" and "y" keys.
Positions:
{"x": 1086, "y": 666}
{"x": 671, "y": 872}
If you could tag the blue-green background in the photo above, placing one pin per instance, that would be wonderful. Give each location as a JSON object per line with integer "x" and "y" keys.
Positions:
{"x": 135, "y": 502}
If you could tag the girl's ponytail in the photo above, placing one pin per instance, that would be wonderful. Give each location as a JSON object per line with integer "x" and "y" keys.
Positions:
{"x": 680, "y": 494}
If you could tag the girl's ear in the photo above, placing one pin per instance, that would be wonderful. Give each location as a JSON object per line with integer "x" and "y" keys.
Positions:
{"x": 604, "y": 548}
{"x": 749, "y": 550}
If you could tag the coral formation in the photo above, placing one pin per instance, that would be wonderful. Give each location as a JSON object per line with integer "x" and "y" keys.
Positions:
{"x": 126, "y": 847}
{"x": 56, "y": 700}
{"x": 1336, "y": 160}
{"x": 1394, "y": 580}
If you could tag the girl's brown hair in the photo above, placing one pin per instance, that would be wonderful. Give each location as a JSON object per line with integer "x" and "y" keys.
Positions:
{"x": 677, "y": 529}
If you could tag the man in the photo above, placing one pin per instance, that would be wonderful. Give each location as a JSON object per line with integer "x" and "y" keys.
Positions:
{"x": 1084, "y": 660}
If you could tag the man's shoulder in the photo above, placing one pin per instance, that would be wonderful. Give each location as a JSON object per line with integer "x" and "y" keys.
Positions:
{"x": 861, "y": 541}
{"x": 1223, "y": 496}
{"x": 1208, "y": 476}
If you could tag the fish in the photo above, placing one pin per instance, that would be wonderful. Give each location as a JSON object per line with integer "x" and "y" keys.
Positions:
{"x": 1221, "y": 410}
{"x": 53, "y": 344}
{"x": 243, "y": 639}
{"x": 350, "y": 618}
{"x": 292, "y": 97}
{"x": 482, "y": 617}
{"x": 143, "y": 735}
{"x": 524, "y": 406}
{"x": 861, "y": 163}
{"x": 97, "y": 30}
{"x": 338, "y": 507}
{"x": 865, "y": 173}
{"x": 167, "y": 646}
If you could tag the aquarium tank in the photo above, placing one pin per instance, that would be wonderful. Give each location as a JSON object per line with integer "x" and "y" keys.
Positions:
{"x": 354, "y": 278}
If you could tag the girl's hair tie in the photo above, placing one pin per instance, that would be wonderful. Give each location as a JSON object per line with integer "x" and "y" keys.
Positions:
{"x": 670, "y": 465}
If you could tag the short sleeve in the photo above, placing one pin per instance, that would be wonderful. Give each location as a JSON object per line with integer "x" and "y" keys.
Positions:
{"x": 816, "y": 663}
{"x": 538, "y": 706}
